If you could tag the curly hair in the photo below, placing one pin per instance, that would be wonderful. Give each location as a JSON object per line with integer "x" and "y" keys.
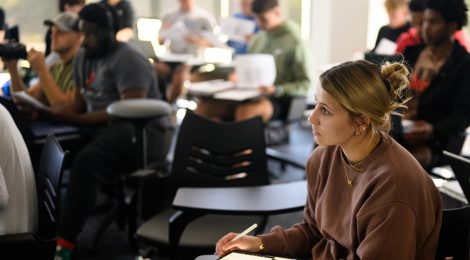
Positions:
{"x": 451, "y": 10}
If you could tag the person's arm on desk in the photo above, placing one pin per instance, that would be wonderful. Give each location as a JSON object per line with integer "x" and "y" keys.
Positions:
{"x": 296, "y": 241}
{"x": 245, "y": 243}
{"x": 100, "y": 117}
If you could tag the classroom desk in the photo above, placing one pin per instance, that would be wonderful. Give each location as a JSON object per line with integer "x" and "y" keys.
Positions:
{"x": 258, "y": 200}
{"x": 192, "y": 203}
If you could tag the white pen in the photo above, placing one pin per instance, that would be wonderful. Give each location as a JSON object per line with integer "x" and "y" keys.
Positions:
{"x": 246, "y": 231}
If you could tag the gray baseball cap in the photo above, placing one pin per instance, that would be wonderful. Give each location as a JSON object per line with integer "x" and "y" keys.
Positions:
{"x": 66, "y": 21}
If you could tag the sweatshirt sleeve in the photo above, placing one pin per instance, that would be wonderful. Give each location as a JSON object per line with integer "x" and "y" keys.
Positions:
{"x": 4, "y": 196}
{"x": 388, "y": 231}
{"x": 298, "y": 240}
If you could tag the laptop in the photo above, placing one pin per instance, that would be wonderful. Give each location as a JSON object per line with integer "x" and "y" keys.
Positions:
{"x": 145, "y": 47}
{"x": 461, "y": 168}
{"x": 36, "y": 130}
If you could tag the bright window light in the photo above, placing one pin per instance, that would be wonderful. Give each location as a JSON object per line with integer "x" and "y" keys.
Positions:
{"x": 218, "y": 55}
{"x": 224, "y": 8}
{"x": 147, "y": 29}
{"x": 305, "y": 19}
{"x": 377, "y": 18}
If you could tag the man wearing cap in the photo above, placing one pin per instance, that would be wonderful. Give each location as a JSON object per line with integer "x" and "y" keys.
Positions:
{"x": 55, "y": 86}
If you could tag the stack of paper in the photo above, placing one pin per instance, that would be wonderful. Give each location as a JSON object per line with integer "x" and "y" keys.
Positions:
{"x": 237, "y": 29}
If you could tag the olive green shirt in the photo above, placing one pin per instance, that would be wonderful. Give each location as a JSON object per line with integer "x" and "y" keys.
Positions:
{"x": 290, "y": 55}
{"x": 62, "y": 73}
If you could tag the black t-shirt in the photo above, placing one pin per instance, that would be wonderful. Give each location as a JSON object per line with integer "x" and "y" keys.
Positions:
{"x": 390, "y": 33}
{"x": 125, "y": 13}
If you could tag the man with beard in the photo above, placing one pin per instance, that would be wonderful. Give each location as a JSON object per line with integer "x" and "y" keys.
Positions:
{"x": 105, "y": 71}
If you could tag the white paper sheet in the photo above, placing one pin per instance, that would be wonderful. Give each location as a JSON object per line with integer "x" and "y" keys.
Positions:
{"x": 254, "y": 70}
{"x": 408, "y": 125}
{"x": 247, "y": 256}
{"x": 237, "y": 29}
{"x": 237, "y": 94}
{"x": 177, "y": 35}
{"x": 28, "y": 99}
{"x": 386, "y": 47}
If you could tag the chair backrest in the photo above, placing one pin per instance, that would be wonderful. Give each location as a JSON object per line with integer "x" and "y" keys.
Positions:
{"x": 454, "y": 236}
{"x": 219, "y": 154}
{"x": 461, "y": 168}
{"x": 296, "y": 109}
{"x": 48, "y": 180}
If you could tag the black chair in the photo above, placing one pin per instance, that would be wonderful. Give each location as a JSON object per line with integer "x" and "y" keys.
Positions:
{"x": 278, "y": 129}
{"x": 454, "y": 236}
{"x": 210, "y": 154}
{"x": 124, "y": 201}
{"x": 48, "y": 182}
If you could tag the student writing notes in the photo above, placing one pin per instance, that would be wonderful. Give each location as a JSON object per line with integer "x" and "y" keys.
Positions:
{"x": 368, "y": 197}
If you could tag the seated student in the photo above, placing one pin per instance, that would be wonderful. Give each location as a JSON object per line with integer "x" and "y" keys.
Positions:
{"x": 441, "y": 107}
{"x": 368, "y": 198}
{"x": 105, "y": 71}
{"x": 247, "y": 14}
{"x": 197, "y": 20}
{"x": 126, "y": 16}
{"x": 72, "y": 6}
{"x": 397, "y": 11}
{"x": 55, "y": 86}
{"x": 280, "y": 38}
{"x": 413, "y": 35}
{"x": 18, "y": 208}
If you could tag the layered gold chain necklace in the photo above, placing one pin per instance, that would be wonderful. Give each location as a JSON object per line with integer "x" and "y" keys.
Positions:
{"x": 357, "y": 168}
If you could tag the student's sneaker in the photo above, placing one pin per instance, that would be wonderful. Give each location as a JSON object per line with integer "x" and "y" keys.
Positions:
{"x": 62, "y": 253}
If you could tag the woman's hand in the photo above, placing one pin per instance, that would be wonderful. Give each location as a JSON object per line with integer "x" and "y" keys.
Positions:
{"x": 244, "y": 243}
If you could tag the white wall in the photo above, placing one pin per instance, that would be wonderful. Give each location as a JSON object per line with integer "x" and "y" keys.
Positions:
{"x": 339, "y": 27}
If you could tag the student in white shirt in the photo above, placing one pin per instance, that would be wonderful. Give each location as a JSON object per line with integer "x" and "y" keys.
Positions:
{"x": 18, "y": 210}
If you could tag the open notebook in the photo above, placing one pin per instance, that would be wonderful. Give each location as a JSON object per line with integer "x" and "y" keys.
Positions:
{"x": 241, "y": 256}
{"x": 248, "y": 256}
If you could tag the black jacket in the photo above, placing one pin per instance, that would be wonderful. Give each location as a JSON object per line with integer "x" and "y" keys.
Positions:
{"x": 446, "y": 102}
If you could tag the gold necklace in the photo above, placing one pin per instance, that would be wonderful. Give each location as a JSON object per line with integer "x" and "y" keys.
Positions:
{"x": 355, "y": 168}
